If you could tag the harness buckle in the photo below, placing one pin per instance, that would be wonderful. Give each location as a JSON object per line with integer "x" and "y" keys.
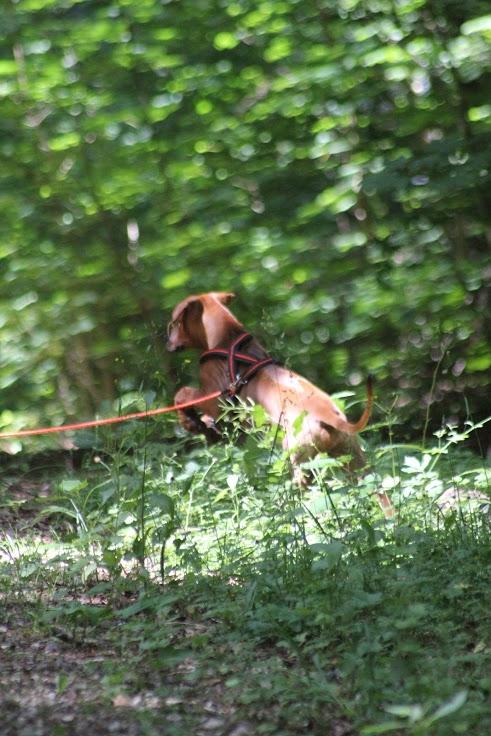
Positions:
{"x": 234, "y": 388}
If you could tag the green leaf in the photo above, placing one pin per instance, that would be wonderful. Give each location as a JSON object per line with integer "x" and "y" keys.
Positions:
{"x": 224, "y": 41}
{"x": 147, "y": 602}
{"x": 8, "y": 67}
{"x": 163, "y": 502}
{"x": 413, "y": 713}
{"x": 377, "y": 728}
{"x": 63, "y": 142}
{"x": 481, "y": 24}
{"x": 450, "y": 706}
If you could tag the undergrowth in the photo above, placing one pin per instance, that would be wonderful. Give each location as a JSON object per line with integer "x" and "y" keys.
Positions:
{"x": 308, "y": 606}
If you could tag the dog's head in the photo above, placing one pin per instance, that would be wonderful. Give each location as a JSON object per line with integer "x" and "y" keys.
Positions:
{"x": 200, "y": 321}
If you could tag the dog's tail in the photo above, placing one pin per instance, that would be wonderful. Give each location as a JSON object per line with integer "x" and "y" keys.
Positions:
{"x": 355, "y": 427}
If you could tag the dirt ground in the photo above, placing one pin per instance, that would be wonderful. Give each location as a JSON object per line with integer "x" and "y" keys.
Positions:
{"x": 51, "y": 687}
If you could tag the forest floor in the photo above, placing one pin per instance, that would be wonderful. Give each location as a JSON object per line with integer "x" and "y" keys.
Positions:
{"x": 82, "y": 676}
{"x": 52, "y": 685}
{"x": 344, "y": 623}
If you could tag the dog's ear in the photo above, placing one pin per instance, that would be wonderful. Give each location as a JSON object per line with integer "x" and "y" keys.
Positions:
{"x": 225, "y": 297}
{"x": 186, "y": 328}
{"x": 192, "y": 307}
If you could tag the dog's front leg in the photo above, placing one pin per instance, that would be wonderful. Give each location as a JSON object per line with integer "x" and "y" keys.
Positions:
{"x": 190, "y": 418}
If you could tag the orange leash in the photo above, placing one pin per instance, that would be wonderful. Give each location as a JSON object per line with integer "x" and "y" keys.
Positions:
{"x": 111, "y": 420}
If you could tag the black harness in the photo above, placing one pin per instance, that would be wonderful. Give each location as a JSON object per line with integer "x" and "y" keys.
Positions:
{"x": 235, "y": 359}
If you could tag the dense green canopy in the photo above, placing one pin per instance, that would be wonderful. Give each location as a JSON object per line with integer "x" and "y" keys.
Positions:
{"x": 327, "y": 160}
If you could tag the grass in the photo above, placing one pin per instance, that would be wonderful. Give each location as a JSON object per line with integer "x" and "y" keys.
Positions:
{"x": 202, "y": 575}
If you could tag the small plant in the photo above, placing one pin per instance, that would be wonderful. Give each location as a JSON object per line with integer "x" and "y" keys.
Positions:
{"x": 178, "y": 552}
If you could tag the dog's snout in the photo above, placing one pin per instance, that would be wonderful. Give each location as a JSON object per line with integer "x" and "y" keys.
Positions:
{"x": 172, "y": 345}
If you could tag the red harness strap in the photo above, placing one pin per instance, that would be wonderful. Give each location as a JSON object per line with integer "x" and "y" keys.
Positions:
{"x": 234, "y": 358}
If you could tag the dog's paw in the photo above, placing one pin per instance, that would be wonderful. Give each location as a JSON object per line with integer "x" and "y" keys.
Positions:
{"x": 200, "y": 424}
{"x": 191, "y": 421}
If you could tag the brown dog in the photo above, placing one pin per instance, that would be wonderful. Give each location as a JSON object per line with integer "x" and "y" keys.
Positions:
{"x": 233, "y": 361}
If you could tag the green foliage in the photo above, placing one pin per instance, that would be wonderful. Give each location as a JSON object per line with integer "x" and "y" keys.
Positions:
{"x": 213, "y": 557}
{"x": 329, "y": 161}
